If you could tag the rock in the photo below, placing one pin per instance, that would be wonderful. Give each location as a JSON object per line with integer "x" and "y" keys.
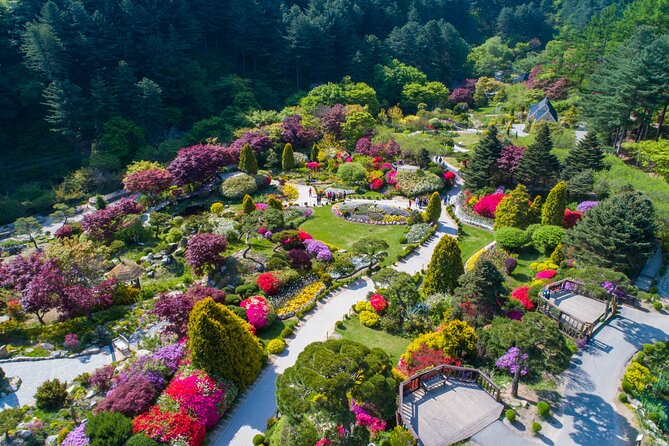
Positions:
{"x": 90, "y": 394}
{"x": 24, "y": 434}
{"x": 14, "y": 383}
{"x": 90, "y": 351}
{"x": 3, "y": 352}
{"x": 179, "y": 252}
{"x": 151, "y": 274}
{"x": 51, "y": 440}
{"x": 183, "y": 242}
{"x": 166, "y": 260}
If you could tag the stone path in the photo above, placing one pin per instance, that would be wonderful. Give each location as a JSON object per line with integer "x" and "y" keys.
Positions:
{"x": 250, "y": 415}
{"x": 34, "y": 373}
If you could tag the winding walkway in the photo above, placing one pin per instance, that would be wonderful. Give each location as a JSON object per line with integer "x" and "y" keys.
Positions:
{"x": 250, "y": 415}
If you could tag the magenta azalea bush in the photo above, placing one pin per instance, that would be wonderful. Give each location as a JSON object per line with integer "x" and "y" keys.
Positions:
{"x": 71, "y": 340}
{"x": 487, "y": 206}
{"x": 259, "y": 311}
{"x": 546, "y": 274}
{"x": 364, "y": 418}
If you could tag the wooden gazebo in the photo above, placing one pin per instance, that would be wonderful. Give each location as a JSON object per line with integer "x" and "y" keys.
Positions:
{"x": 127, "y": 272}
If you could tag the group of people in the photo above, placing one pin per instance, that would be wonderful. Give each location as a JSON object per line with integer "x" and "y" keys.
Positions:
{"x": 330, "y": 196}
{"x": 420, "y": 202}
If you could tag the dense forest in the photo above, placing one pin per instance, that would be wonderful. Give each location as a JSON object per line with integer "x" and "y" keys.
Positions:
{"x": 87, "y": 86}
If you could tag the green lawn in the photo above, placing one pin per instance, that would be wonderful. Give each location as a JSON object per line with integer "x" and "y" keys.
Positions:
{"x": 473, "y": 239}
{"x": 274, "y": 331}
{"x": 523, "y": 275}
{"x": 467, "y": 139}
{"x": 324, "y": 225}
{"x": 353, "y": 330}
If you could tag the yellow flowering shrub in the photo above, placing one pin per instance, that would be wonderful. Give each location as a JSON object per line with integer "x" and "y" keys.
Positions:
{"x": 363, "y": 305}
{"x": 306, "y": 295}
{"x": 471, "y": 262}
{"x": 216, "y": 208}
{"x": 537, "y": 267}
{"x": 394, "y": 219}
{"x": 369, "y": 318}
{"x": 638, "y": 376}
{"x": 290, "y": 191}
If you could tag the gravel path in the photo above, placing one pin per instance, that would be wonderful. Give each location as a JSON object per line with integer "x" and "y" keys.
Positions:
{"x": 34, "y": 373}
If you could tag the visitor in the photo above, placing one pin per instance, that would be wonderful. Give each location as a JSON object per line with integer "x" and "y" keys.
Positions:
{"x": 409, "y": 204}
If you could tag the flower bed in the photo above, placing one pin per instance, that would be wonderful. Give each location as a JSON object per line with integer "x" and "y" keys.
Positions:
{"x": 419, "y": 232}
{"x": 370, "y": 213}
{"x": 306, "y": 295}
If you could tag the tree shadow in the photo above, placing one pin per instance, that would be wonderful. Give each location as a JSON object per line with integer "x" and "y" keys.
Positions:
{"x": 638, "y": 333}
{"x": 596, "y": 422}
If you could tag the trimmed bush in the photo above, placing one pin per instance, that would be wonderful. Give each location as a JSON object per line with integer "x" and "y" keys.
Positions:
{"x": 362, "y": 305}
{"x": 657, "y": 305}
{"x": 236, "y": 187}
{"x": 369, "y": 318}
{"x": 445, "y": 267}
{"x": 258, "y": 440}
{"x": 108, "y": 429}
{"x": 510, "y": 415}
{"x": 130, "y": 398}
{"x": 141, "y": 440}
{"x": 536, "y": 427}
{"x": 546, "y": 238}
{"x": 276, "y": 346}
{"x": 51, "y": 394}
{"x": 288, "y": 331}
{"x": 416, "y": 183}
{"x": 543, "y": 409}
{"x": 512, "y": 238}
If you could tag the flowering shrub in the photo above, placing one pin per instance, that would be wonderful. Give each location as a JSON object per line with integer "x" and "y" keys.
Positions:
{"x": 376, "y": 184}
{"x": 546, "y": 274}
{"x": 318, "y": 250}
{"x": 64, "y": 232}
{"x": 261, "y": 207}
{"x": 269, "y": 283}
{"x": 521, "y": 295}
{"x": 369, "y": 318}
{"x": 449, "y": 177}
{"x": 422, "y": 358}
{"x": 14, "y": 309}
{"x": 131, "y": 397}
{"x": 157, "y": 368}
{"x": 364, "y": 418}
{"x": 104, "y": 223}
{"x": 313, "y": 165}
{"x": 487, "y": 206}
{"x": 203, "y": 251}
{"x": 421, "y": 182}
{"x": 514, "y": 360}
{"x": 77, "y": 437}
{"x": 174, "y": 307}
{"x": 323, "y": 442}
{"x": 305, "y": 236}
{"x": 71, "y": 340}
{"x": 391, "y": 177}
{"x": 258, "y": 311}
{"x": 176, "y": 428}
{"x": 378, "y": 302}
{"x": 304, "y": 297}
{"x": 571, "y": 218}
{"x": 101, "y": 379}
{"x": 585, "y": 206}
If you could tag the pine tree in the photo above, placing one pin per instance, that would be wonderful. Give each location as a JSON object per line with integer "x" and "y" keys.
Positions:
{"x": 514, "y": 209}
{"x": 538, "y": 166}
{"x": 288, "y": 157}
{"x": 618, "y": 233}
{"x": 445, "y": 267}
{"x": 553, "y": 211}
{"x": 247, "y": 160}
{"x": 535, "y": 210}
{"x": 313, "y": 156}
{"x": 221, "y": 344}
{"x": 248, "y": 206}
{"x": 433, "y": 209}
{"x": 587, "y": 155}
{"x": 480, "y": 292}
{"x": 482, "y": 167}
{"x": 273, "y": 202}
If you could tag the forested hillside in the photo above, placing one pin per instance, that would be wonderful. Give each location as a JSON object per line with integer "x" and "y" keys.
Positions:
{"x": 86, "y": 86}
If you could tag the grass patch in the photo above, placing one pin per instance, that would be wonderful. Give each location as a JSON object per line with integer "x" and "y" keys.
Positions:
{"x": 467, "y": 140}
{"x": 274, "y": 331}
{"x": 353, "y": 330}
{"x": 472, "y": 239}
{"x": 434, "y": 143}
{"x": 523, "y": 275}
{"x": 324, "y": 225}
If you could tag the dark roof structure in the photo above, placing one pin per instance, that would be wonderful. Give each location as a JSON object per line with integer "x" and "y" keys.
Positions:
{"x": 543, "y": 111}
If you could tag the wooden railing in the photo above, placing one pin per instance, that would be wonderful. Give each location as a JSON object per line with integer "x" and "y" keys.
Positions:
{"x": 451, "y": 372}
{"x": 569, "y": 325}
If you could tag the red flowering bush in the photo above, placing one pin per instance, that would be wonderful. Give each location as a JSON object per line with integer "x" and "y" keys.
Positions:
{"x": 379, "y": 303}
{"x": 170, "y": 427}
{"x": 487, "y": 206}
{"x": 546, "y": 274}
{"x": 305, "y": 236}
{"x": 269, "y": 283}
{"x": 259, "y": 312}
{"x": 422, "y": 358}
{"x": 449, "y": 177}
{"x": 198, "y": 395}
{"x": 522, "y": 295}
{"x": 376, "y": 184}
{"x": 571, "y": 218}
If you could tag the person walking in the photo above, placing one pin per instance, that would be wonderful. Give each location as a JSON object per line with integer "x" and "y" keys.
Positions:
{"x": 409, "y": 204}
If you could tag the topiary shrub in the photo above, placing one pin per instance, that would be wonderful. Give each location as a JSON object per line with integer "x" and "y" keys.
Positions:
{"x": 623, "y": 398}
{"x": 288, "y": 331}
{"x": 657, "y": 305}
{"x": 543, "y": 409}
{"x": 258, "y": 440}
{"x": 108, "y": 429}
{"x": 510, "y": 415}
{"x": 546, "y": 238}
{"x": 276, "y": 346}
{"x": 141, "y": 440}
{"x": 51, "y": 394}
{"x": 369, "y": 318}
{"x": 236, "y": 187}
{"x": 536, "y": 427}
{"x": 511, "y": 238}
{"x": 510, "y": 265}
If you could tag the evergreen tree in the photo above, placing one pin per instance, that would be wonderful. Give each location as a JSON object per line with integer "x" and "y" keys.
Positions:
{"x": 514, "y": 209}
{"x": 587, "y": 155}
{"x": 433, "y": 209}
{"x": 248, "y": 206}
{"x": 538, "y": 166}
{"x": 553, "y": 211}
{"x": 313, "y": 156}
{"x": 273, "y": 202}
{"x": 288, "y": 157}
{"x": 221, "y": 344}
{"x": 619, "y": 233}
{"x": 482, "y": 168}
{"x": 247, "y": 160}
{"x": 535, "y": 210}
{"x": 480, "y": 293}
{"x": 445, "y": 267}
{"x": 272, "y": 159}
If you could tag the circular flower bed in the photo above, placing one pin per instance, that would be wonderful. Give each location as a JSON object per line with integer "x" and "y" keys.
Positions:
{"x": 370, "y": 213}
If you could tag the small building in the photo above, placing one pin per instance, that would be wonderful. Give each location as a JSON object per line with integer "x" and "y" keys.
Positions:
{"x": 543, "y": 111}
{"x": 126, "y": 272}
{"x": 519, "y": 78}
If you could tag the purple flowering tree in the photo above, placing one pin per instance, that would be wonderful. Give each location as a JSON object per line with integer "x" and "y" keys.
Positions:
{"x": 258, "y": 140}
{"x": 203, "y": 252}
{"x": 509, "y": 159}
{"x": 196, "y": 164}
{"x": 333, "y": 119}
{"x": 104, "y": 223}
{"x": 516, "y": 362}
{"x": 319, "y": 250}
{"x": 296, "y": 134}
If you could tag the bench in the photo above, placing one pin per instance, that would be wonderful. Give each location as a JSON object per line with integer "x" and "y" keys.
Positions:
{"x": 433, "y": 382}
{"x": 121, "y": 344}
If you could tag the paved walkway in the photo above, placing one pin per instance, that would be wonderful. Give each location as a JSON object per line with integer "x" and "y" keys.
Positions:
{"x": 250, "y": 415}
{"x": 34, "y": 373}
{"x": 500, "y": 435}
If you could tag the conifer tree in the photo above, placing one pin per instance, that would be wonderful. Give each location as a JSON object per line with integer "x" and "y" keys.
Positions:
{"x": 247, "y": 160}
{"x": 538, "y": 166}
{"x": 587, "y": 155}
{"x": 313, "y": 156}
{"x": 248, "y": 206}
{"x": 482, "y": 168}
{"x": 433, "y": 209}
{"x": 445, "y": 267}
{"x": 514, "y": 209}
{"x": 480, "y": 293}
{"x": 288, "y": 157}
{"x": 553, "y": 211}
{"x": 273, "y": 202}
{"x": 272, "y": 159}
{"x": 535, "y": 210}
{"x": 222, "y": 344}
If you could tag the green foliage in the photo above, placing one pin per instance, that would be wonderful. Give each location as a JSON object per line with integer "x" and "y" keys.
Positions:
{"x": 273, "y": 202}
{"x": 543, "y": 409}
{"x": 141, "y": 440}
{"x": 247, "y": 160}
{"x": 445, "y": 267}
{"x": 287, "y": 157}
{"x": 514, "y": 209}
{"x": 258, "y": 440}
{"x": 413, "y": 184}
{"x": 221, "y": 344}
{"x": 534, "y": 214}
{"x": 536, "y": 427}
{"x": 512, "y": 239}
{"x": 482, "y": 170}
{"x": 553, "y": 211}
{"x": 248, "y": 206}
{"x": 481, "y": 289}
{"x": 587, "y": 155}
{"x": 51, "y": 394}
{"x": 546, "y": 238}
{"x": 510, "y": 415}
{"x": 433, "y": 209}
{"x": 108, "y": 429}
{"x": 237, "y": 186}
{"x": 352, "y": 173}
{"x": 100, "y": 202}
{"x": 538, "y": 166}
{"x": 619, "y": 233}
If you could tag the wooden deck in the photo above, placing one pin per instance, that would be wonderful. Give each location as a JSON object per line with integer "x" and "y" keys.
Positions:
{"x": 450, "y": 413}
{"x": 581, "y": 307}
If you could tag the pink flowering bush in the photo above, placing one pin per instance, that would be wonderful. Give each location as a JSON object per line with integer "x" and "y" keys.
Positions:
{"x": 305, "y": 236}
{"x": 259, "y": 312}
{"x": 487, "y": 206}
{"x": 323, "y": 442}
{"x": 546, "y": 274}
{"x": 261, "y": 206}
{"x": 391, "y": 177}
{"x": 449, "y": 177}
{"x": 71, "y": 340}
{"x": 378, "y": 302}
{"x": 313, "y": 165}
{"x": 269, "y": 283}
{"x": 571, "y": 218}
{"x": 364, "y": 418}
{"x": 376, "y": 184}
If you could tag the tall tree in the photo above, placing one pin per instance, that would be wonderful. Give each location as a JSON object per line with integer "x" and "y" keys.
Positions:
{"x": 480, "y": 293}
{"x": 287, "y": 157}
{"x": 433, "y": 209}
{"x": 538, "y": 166}
{"x": 514, "y": 209}
{"x": 247, "y": 160}
{"x": 587, "y": 155}
{"x": 482, "y": 169}
{"x": 553, "y": 211}
{"x": 445, "y": 267}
